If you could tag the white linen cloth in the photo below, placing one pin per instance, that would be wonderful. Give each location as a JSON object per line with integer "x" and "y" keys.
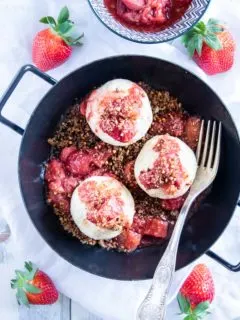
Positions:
{"x": 110, "y": 299}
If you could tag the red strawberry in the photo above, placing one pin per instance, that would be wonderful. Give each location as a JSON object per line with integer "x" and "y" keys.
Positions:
{"x": 34, "y": 286}
{"x": 197, "y": 293}
{"x": 53, "y": 46}
{"x": 173, "y": 204}
{"x": 211, "y": 46}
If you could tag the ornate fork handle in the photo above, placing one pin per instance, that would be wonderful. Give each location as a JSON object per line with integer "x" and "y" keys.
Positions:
{"x": 153, "y": 306}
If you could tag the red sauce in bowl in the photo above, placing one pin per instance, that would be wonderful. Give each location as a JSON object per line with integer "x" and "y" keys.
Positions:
{"x": 153, "y": 16}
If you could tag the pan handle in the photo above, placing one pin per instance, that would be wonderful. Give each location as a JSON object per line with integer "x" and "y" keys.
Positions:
{"x": 11, "y": 88}
{"x": 226, "y": 264}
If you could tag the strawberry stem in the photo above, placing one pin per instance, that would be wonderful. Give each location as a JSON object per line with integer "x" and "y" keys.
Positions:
{"x": 63, "y": 27}
{"x": 201, "y": 34}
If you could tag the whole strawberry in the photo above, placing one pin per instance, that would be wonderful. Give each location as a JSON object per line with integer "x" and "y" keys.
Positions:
{"x": 211, "y": 46}
{"x": 53, "y": 46}
{"x": 34, "y": 286}
{"x": 197, "y": 293}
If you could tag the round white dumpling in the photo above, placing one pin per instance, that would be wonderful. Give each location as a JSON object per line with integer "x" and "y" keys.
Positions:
{"x": 165, "y": 167}
{"x": 101, "y": 207}
{"x": 119, "y": 112}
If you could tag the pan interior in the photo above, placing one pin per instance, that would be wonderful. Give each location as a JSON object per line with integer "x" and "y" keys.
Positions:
{"x": 201, "y": 231}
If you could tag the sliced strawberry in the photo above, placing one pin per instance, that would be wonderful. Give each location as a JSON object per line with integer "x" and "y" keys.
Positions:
{"x": 65, "y": 153}
{"x": 129, "y": 174}
{"x": 171, "y": 123}
{"x": 54, "y": 169}
{"x": 69, "y": 184}
{"x": 156, "y": 227}
{"x": 173, "y": 204}
{"x": 191, "y": 131}
{"x": 134, "y": 4}
{"x": 139, "y": 224}
{"x": 129, "y": 240}
{"x": 59, "y": 200}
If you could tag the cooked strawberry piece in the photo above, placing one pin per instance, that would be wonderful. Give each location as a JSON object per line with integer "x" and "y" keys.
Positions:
{"x": 134, "y": 4}
{"x": 83, "y": 107}
{"x": 65, "y": 153}
{"x": 129, "y": 174}
{"x": 129, "y": 240}
{"x": 79, "y": 163}
{"x": 173, "y": 204}
{"x": 100, "y": 154}
{"x": 156, "y": 227}
{"x": 54, "y": 169}
{"x": 102, "y": 172}
{"x": 172, "y": 123}
{"x": 192, "y": 130}
{"x": 56, "y": 186}
{"x": 60, "y": 201}
{"x": 69, "y": 184}
{"x": 139, "y": 224}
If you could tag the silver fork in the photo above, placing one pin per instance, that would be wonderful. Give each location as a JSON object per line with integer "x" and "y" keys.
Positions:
{"x": 154, "y": 305}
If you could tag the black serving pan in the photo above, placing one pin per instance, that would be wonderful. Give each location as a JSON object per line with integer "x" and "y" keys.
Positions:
{"x": 200, "y": 232}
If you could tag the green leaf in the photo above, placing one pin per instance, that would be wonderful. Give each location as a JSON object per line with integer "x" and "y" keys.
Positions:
{"x": 28, "y": 266}
{"x": 201, "y": 307}
{"x": 30, "y": 288}
{"x": 14, "y": 284}
{"x": 64, "y": 27}
{"x": 187, "y": 36}
{"x": 63, "y": 15}
{"x": 31, "y": 270}
{"x": 212, "y": 41}
{"x": 201, "y": 26}
{"x": 22, "y": 297}
{"x": 195, "y": 43}
{"x": 184, "y": 304}
{"x": 214, "y": 26}
{"x": 48, "y": 20}
{"x": 20, "y": 274}
{"x": 190, "y": 317}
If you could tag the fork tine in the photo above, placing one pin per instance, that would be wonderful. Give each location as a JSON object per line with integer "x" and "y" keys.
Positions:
{"x": 206, "y": 144}
{"x": 199, "y": 147}
{"x": 210, "y": 156}
{"x": 218, "y": 148}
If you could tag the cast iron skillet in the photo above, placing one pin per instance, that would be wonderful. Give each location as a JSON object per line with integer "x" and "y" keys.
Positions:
{"x": 200, "y": 232}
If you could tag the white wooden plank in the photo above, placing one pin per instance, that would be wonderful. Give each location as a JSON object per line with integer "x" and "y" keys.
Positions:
{"x": 58, "y": 311}
{"x": 79, "y": 313}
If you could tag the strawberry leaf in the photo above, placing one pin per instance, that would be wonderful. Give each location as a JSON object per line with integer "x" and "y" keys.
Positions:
{"x": 214, "y": 26}
{"x": 201, "y": 307}
{"x": 22, "y": 297}
{"x": 48, "y": 20}
{"x": 65, "y": 27}
{"x": 31, "y": 289}
{"x": 184, "y": 304}
{"x": 212, "y": 41}
{"x": 63, "y": 15}
{"x": 195, "y": 43}
{"x": 190, "y": 317}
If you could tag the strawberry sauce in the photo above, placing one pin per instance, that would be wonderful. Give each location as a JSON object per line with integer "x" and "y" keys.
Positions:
{"x": 147, "y": 15}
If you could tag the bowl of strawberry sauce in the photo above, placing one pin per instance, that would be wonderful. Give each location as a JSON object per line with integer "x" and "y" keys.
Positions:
{"x": 149, "y": 21}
